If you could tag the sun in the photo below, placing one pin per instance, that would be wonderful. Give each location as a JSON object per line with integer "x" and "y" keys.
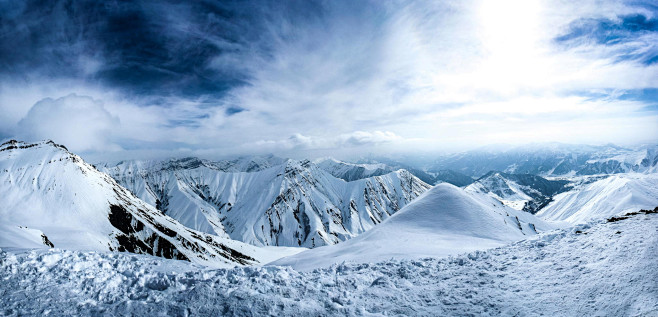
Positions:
{"x": 511, "y": 38}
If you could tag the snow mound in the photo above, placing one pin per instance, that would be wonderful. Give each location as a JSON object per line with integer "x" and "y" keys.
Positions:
{"x": 599, "y": 269}
{"x": 606, "y": 197}
{"x": 445, "y": 220}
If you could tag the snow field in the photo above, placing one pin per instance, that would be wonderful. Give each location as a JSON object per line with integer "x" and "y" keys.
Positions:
{"x": 599, "y": 269}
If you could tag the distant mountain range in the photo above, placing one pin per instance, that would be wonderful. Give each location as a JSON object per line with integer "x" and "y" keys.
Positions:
{"x": 551, "y": 160}
{"x": 352, "y": 171}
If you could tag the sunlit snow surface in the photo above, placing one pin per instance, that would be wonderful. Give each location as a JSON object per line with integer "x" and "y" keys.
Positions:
{"x": 446, "y": 220}
{"x": 599, "y": 269}
{"x": 605, "y": 197}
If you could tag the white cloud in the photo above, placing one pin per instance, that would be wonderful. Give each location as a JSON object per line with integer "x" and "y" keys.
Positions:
{"x": 298, "y": 141}
{"x": 359, "y": 138}
{"x": 80, "y": 122}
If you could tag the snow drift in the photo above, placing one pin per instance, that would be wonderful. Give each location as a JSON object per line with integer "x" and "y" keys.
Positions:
{"x": 445, "y": 220}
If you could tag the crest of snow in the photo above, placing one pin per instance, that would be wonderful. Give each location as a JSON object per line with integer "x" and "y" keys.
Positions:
{"x": 444, "y": 221}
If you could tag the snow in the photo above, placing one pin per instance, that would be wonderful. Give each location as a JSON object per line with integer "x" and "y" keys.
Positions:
{"x": 20, "y": 235}
{"x": 509, "y": 193}
{"x": 609, "y": 196}
{"x": 595, "y": 269}
{"x": 292, "y": 204}
{"x": 446, "y": 220}
{"x": 352, "y": 171}
{"x": 270, "y": 254}
{"x": 519, "y": 191}
{"x": 406, "y": 262}
{"x": 49, "y": 191}
{"x": 552, "y": 160}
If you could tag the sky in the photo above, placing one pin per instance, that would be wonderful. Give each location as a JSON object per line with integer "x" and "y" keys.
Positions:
{"x": 146, "y": 79}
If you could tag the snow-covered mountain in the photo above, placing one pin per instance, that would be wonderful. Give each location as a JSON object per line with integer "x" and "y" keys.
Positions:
{"x": 520, "y": 191}
{"x": 409, "y": 264}
{"x": 52, "y": 198}
{"x": 451, "y": 177}
{"x": 352, "y": 171}
{"x": 445, "y": 220}
{"x": 552, "y": 159}
{"x": 241, "y": 164}
{"x": 292, "y": 204}
{"x": 605, "y": 196}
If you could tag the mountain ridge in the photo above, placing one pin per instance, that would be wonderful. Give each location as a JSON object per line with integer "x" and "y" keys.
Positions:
{"x": 291, "y": 204}
{"x": 52, "y": 196}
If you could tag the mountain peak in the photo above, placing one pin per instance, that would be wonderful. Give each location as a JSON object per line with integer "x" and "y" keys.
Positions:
{"x": 15, "y": 144}
{"x": 70, "y": 204}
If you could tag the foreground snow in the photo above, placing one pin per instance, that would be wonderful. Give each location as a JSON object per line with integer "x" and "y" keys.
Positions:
{"x": 606, "y": 268}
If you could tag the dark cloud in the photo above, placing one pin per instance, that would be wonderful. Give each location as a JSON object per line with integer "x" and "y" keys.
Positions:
{"x": 607, "y": 31}
{"x": 618, "y": 32}
{"x": 163, "y": 48}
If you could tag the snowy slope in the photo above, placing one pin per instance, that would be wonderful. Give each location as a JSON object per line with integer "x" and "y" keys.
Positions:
{"x": 52, "y": 196}
{"x": 292, "y": 204}
{"x": 603, "y": 269}
{"x": 445, "y": 220}
{"x": 520, "y": 191}
{"x": 605, "y": 197}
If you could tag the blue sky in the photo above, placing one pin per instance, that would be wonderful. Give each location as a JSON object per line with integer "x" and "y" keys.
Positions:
{"x": 307, "y": 78}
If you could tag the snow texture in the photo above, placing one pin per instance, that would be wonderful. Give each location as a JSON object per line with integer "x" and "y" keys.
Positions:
{"x": 597, "y": 269}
